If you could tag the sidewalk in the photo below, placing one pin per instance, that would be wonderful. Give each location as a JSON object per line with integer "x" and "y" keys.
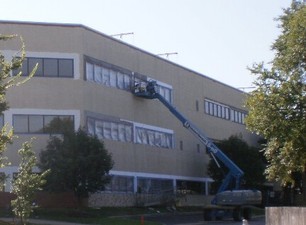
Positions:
{"x": 43, "y": 222}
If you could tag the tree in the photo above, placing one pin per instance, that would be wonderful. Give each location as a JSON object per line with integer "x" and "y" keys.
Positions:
{"x": 247, "y": 158}
{"x": 277, "y": 107}
{"x": 78, "y": 162}
{"x": 26, "y": 183}
{"x": 5, "y": 70}
{"x": 7, "y": 81}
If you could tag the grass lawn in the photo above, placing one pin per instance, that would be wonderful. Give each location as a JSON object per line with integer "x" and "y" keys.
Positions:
{"x": 107, "y": 216}
{"x": 95, "y": 216}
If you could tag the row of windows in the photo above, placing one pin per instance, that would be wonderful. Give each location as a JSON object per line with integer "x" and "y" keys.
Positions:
{"x": 218, "y": 110}
{"x": 223, "y": 111}
{"x": 108, "y": 77}
{"x": 153, "y": 137}
{"x": 154, "y": 186}
{"x": 115, "y": 78}
{"x": 60, "y": 67}
{"x": 145, "y": 185}
{"x": 42, "y": 123}
{"x": 110, "y": 130}
{"x": 55, "y": 67}
{"x": 238, "y": 116}
{"x": 120, "y": 184}
{"x": 128, "y": 132}
{"x": 47, "y": 67}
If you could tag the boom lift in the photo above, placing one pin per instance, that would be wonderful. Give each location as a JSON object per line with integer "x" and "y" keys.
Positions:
{"x": 235, "y": 200}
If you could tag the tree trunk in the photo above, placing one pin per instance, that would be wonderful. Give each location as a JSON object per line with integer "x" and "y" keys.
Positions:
{"x": 304, "y": 188}
{"x": 83, "y": 202}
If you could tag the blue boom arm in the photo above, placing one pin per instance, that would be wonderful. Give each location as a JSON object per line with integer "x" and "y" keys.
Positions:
{"x": 234, "y": 174}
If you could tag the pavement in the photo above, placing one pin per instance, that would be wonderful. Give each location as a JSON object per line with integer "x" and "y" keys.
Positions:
{"x": 167, "y": 219}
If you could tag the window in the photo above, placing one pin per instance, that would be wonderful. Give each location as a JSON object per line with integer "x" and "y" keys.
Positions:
{"x": 50, "y": 67}
{"x": 47, "y": 67}
{"x": 20, "y": 123}
{"x": 36, "y": 123}
{"x": 42, "y": 123}
{"x": 165, "y": 92}
{"x": 154, "y": 185}
{"x": 1, "y": 120}
{"x": 216, "y": 109}
{"x": 103, "y": 129}
{"x": 223, "y": 111}
{"x": 153, "y": 137}
{"x": 108, "y": 77}
{"x": 238, "y": 116}
{"x": 198, "y": 148}
{"x": 117, "y": 130}
{"x": 24, "y": 68}
{"x": 190, "y": 187}
{"x": 98, "y": 75}
{"x": 2, "y": 181}
{"x": 181, "y": 145}
{"x": 120, "y": 184}
{"x": 32, "y": 63}
{"x": 89, "y": 71}
{"x": 65, "y": 67}
{"x": 113, "y": 76}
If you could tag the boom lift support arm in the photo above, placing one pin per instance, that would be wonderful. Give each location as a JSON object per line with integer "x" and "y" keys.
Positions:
{"x": 234, "y": 174}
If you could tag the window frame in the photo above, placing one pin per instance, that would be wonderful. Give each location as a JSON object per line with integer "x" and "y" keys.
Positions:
{"x": 112, "y": 76}
{"x": 27, "y": 126}
{"x": 27, "y": 68}
{"x": 224, "y": 111}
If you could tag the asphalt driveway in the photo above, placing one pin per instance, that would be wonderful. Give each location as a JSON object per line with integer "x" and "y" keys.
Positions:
{"x": 197, "y": 219}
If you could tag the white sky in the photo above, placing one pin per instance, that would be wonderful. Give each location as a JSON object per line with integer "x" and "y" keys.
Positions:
{"x": 217, "y": 38}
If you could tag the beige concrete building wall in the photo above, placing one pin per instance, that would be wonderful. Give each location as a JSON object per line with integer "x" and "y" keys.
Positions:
{"x": 79, "y": 97}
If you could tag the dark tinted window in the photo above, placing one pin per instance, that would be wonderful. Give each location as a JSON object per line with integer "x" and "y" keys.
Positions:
{"x": 47, "y": 67}
{"x": 65, "y": 68}
{"x": 36, "y": 124}
{"x": 50, "y": 67}
{"x": 32, "y": 63}
{"x": 20, "y": 123}
{"x": 42, "y": 123}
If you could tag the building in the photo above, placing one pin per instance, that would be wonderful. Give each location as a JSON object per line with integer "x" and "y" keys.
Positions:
{"x": 87, "y": 76}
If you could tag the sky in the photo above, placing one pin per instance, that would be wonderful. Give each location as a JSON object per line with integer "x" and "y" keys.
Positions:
{"x": 216, "y": 38}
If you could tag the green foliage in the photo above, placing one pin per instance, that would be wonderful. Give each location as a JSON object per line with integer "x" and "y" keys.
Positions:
{"x": 26, "y": 183}
{"x": 7, "y": 81}
{"x": 59, "y": 126}
{"x": 78, "y": 162}
{"x": 277, "y": 108}
{"x": 247, "y": 158}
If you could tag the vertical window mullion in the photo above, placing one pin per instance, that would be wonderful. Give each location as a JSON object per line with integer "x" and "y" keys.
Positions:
{"x": 27, "y": 72}
{"x": 44, "y": 125}
{"x": 57, "y": 64}
{"x": 28, "y": 120}
{"x": 43, "y": 66}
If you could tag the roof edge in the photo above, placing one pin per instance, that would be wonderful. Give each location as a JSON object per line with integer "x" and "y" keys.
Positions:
{"x": 56, "y": 24}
